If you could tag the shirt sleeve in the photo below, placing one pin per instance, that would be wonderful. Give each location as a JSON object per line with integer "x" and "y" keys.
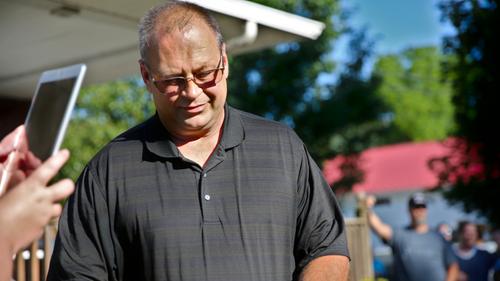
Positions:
{"x": 83, "y": 248}
{"x": 395, "y": 238}
{"x": 320, "y": 225}
{"x": 496, "y": 267}
{"x": 493, "y": 260}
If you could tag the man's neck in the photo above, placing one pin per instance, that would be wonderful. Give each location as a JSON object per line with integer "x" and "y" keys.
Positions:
{"x": 465, "y": 247}
{"x": 420, "y": 228}
{"x": 199, "y": 147}
{"x": 199, "y": 150}
{"x": 464, "y": 251}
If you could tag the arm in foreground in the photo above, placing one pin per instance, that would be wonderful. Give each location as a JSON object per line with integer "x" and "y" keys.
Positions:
{"x": 321, "y": 248}
{"x": 85, "y": 248}
{"x": 28, "y": 207}
{"x": 326, "y": 268}
{"x": 452, "y": 273}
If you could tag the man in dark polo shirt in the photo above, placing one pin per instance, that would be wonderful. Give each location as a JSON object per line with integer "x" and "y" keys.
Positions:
{"x": 200, "y": 191}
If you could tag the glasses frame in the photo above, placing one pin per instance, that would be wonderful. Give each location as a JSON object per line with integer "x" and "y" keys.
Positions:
{"x": 201, "y": 85}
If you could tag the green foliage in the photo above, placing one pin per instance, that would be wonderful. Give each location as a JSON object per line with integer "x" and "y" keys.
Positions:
{"x": 273, "y": 82}
{"x": 331, "y": 117}
{"x": 346, "y": 116}
{"x": 475, "y": 73}
{"x": 413, "y": 88}
{"x": 101, "y": 113}
{"x": 282, "y": 84}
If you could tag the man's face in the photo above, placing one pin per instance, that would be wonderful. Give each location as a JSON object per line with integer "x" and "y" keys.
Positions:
{"x": 418, "y": 215}
{"x": 189, "y": 111}
{"x": 469, "y": 235}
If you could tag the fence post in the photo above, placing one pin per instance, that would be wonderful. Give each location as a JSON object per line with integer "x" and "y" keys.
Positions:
{"x": 358, "y": 240}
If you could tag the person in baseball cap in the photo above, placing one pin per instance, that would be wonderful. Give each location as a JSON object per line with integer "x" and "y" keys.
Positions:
{"x": 417, "y": 200}
{"x": 417, "y": 250}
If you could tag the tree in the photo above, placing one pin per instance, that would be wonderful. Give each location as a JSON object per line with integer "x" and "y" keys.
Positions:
{"x": 418, "y": 97}
{"x": 405, "y": 99}
{"x": 282, "y": 84}
{"x": 474, "y": 74}
{"x": 346, "y": 120}
{"x": 101, "y": 113}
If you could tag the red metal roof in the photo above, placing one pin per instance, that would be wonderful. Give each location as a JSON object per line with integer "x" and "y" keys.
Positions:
{"x": 393, "y": 168}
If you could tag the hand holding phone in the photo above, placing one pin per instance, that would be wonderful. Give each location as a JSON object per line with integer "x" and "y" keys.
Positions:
{"x": 16, "y": 161}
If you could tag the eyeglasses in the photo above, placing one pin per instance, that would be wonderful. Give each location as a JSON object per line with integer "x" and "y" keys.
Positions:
{"x": 203, "y": 79}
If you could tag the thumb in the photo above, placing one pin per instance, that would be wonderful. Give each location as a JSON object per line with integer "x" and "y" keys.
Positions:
{"x": 50, "y": 167}
{"x": 10, "y": 141}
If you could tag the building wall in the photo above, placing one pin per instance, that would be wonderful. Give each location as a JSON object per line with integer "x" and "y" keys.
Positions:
{"x": 12, "y": 114}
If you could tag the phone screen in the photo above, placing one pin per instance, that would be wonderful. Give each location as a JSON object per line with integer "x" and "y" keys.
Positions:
{"x": 46, "y": 116}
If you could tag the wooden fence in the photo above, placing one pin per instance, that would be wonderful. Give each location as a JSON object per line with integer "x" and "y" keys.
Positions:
{"x": 32, "y": 263}
{"x": 358, "y": 241}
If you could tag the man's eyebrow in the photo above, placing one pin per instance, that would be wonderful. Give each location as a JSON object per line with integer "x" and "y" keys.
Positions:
{"x": 204, "y": 66}
{"x": 208, "y": 65}
{"x": 164, "y": 75}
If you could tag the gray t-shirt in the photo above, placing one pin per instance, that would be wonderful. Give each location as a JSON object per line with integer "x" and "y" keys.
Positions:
{"x": 420, "y": 256}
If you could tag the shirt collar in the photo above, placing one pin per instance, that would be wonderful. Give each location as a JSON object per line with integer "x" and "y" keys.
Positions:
{"x": 233, "y": 133}
{"x": 159, "y": 142}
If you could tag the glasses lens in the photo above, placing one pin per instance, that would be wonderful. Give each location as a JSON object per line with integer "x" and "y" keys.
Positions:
{"x": 169, "y": 85}
{"x": 209, "y": 78}
{"x": 205, "y": 79}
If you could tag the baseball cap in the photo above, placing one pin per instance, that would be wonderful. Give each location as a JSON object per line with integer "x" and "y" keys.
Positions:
{"x": 417, "y": 200}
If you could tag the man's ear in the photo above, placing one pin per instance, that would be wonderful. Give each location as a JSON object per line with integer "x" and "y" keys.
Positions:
{"x": 225, "y": 60}
{"x": 146, "y": 78}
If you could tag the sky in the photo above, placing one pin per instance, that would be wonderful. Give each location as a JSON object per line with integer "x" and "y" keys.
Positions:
{"x": 399, "y": 23}
{"x": 395, "y": 24}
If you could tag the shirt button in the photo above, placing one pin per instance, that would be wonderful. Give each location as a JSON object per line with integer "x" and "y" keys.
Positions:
{"x": 207, "y": 197}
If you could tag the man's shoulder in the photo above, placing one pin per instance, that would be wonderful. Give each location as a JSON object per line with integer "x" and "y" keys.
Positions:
{"x": 401, "y": 233}
{"x": 256, "y": 120}
{"x": 126, "y": 144}
{"x": 260, "y": 126}
{"x": 485, "y": 254}
{"x": 408, "y": 233}
{"x": 136, "y": 133}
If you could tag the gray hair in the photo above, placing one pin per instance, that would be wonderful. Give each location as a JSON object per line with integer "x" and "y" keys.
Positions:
{"x": 181, "y": 14}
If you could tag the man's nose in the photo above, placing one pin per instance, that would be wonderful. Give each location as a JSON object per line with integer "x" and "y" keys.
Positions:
{"x": 191, "y": 89}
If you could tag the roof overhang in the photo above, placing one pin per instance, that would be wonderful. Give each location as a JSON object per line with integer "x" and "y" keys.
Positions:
{"x": 43, "y": 34}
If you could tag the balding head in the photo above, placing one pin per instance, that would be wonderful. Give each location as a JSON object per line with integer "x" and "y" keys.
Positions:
{"x": 161, "y": 20}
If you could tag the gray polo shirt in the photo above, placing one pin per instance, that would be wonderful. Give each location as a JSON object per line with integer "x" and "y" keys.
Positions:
{"x": 258, "y": 210}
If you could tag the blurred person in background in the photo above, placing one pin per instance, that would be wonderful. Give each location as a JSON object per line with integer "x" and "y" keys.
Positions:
{"x": 29, "y": 201}
{"x": 495, "y": 236}
{"x": 475, "y": 264}
{"x": 418, "y": 251}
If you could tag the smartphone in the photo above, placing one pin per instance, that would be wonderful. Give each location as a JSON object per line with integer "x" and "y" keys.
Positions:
{"x": 51, "y": 108}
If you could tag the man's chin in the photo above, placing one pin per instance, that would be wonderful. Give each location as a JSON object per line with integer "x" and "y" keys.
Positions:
{"x": 421, "y": 222}
{"x": 195, "y": 124}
